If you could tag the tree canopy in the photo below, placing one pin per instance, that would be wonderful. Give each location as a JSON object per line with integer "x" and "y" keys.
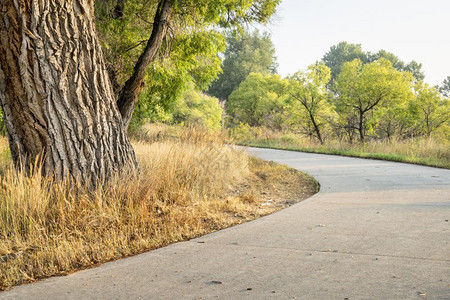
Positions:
{"x": 189, "y": 53}
{"x": 368, "y": 100}
{"x": 197, "y": 108}
{"x": 346, "y": 52}
{"x": 342, "y": 53}
{"x": 249, "y": 52}
{"x": 57, "y": 98}
{"x": 258, "y": 101}
{"x": 444, "y": 89}
{"x": 430, "y": 110}
{"x": 363, "y": 87}
{"x": 309, "y": 89}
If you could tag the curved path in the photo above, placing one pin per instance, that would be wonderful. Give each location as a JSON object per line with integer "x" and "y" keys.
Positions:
{"x": 377, "y": 230}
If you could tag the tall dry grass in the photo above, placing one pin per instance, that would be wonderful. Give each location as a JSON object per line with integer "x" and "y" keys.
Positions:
{"x": 49, "y": 228}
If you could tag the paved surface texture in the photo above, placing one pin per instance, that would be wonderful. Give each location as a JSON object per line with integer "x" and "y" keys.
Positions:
{"x": 377, "y": 230}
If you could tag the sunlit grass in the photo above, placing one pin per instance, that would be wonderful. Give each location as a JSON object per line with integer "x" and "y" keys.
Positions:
{"x": 425, "y": 151}
{"x": 190, "y": 184}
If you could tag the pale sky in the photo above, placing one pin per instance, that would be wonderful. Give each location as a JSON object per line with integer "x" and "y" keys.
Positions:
{"x": 304, "y": 30}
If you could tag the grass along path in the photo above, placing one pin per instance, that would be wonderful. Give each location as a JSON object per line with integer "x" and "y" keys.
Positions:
{"x": 189, "y": 186}
{"x": 421, "y": 152}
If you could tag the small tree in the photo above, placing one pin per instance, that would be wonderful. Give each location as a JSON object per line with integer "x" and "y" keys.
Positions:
{"x": 413, "y": 66}
{"x": 309, "y": 89}
{"x": 363, "y": 88}
{"x": 430, "y": 109}
{"x": 393, "y": 119}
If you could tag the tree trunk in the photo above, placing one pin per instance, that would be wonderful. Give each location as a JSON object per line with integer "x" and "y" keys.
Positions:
{"x": 316, "y": 127}
{"x": 55, "y": 92}
{"x": 361, "y": 126}
{"x": 129, "y": 94}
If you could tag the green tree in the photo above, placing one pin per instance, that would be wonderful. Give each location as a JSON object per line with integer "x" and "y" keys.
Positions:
{"x": 413, "y": 67}
{"x": 430, "y": 109}
{"x": 342, "y": 53}
{"x": 245, "y": 53}
{"x": 189, "y": 51}
{"x": 187, "y": 55}
{"x": 196, "y": 108}
{"x": 346, "y": 52}
{"x": 259, "y": 100}
{"x": 57, "y": 98}
{"x": 444, "y": 89}
{"x": 393, "y": 119}
{"x": 363, "y": 88}
{"x": 309, "y": 89}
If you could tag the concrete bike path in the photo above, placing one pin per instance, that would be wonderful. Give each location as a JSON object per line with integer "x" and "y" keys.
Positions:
{"x": 376, "y": 230}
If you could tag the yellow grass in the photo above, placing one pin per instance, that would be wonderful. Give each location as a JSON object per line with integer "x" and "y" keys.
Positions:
{"x": 430, "y": 151}
{"x": 190, "y": 184}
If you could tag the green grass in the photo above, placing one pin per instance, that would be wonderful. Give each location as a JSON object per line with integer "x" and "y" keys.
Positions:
{"x": 427, "y": 152}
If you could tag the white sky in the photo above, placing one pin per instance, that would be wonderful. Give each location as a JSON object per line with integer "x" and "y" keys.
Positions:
{"x": 304, "y": 30}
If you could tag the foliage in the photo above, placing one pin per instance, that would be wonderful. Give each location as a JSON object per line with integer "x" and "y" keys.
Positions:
{"x": 372, "y": 101}
{"x": 195, "y": 108}
{"x": 363, "y": 88}
{"x": 242, "y": 132}
{"x": 413, "y": 67}
{"x": 191, "y": 107}
{"x": 259, "y": 100}
{"x": 393, "y": 119}
{"x": 245, "y": 53}
{"x": 189, "y": 54}
{"x": 444, "y": 89}
{"x": 431, "y": 111}
{"x": 309, "y": 89}
{"x": 342, "y": 53}
{"x": 346, "y": 52}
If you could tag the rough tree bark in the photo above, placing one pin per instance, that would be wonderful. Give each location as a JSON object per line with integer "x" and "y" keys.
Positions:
{"x": 129, "y": 94}
{"x": 55, "y": 92}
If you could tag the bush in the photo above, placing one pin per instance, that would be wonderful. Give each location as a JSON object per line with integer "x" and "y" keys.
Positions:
{"x": 196, "y": 108}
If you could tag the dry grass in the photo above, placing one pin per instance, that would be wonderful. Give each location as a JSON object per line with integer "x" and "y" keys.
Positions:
{"x": 191, "y": 184}
{"x": 424, "y": 151}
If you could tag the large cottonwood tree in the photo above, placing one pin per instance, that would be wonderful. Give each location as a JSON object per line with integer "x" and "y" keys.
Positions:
{"x": 55, "y": 92}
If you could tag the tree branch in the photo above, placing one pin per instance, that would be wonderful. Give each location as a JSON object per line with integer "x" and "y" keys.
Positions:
{"x": 129, "y": 94}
